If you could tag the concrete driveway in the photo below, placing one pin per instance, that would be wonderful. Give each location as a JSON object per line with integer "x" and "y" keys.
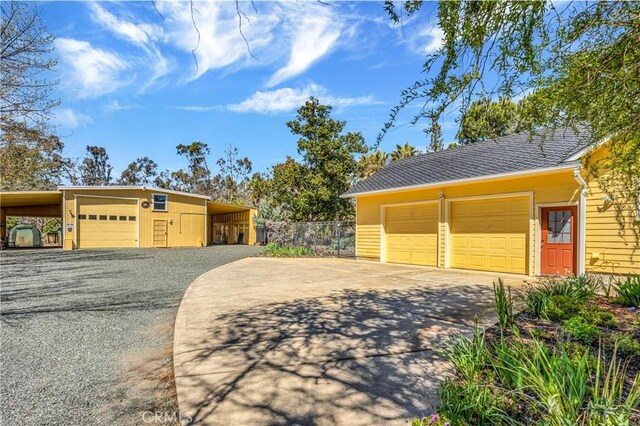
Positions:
{"x": 319, "y": 341}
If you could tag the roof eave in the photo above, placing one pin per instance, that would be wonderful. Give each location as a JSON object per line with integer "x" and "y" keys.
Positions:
{"x": 564, "y": 166}
{"x": 138, "y": 187}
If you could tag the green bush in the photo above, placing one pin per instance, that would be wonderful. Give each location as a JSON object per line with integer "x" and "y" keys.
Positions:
{"x": 468, "y": 355}
{"x": 470, "y": 404}
{"x": 628, "y": 290}
{"x": 599, "y": 318}
{"x": 627, "y": 343}
{"x": 550, "y": 298}
{"x": 560, "y": 307}
{"x": 277, "y": 250}
{"x": 581, "y": 329}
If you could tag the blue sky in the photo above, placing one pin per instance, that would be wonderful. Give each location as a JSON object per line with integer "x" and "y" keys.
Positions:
{"x": 129, "y": 82}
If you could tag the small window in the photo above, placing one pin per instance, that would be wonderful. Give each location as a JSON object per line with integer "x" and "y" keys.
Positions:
{"x": 93, "y": 217}
{"x": 82, "y": 216}
{"x": 132, "y": 218}
{"x": 103, "y": 217}
{"x": 123, "y": 218}
{"x": 159, "y": 202}
{"x": 113, "y": 217}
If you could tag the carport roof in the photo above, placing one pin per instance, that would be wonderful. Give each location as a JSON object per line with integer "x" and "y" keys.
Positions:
{"x": 216, "y": 207}
{"x": 30, "y": 198}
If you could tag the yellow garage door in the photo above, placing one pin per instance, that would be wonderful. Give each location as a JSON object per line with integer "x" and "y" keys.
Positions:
{"x": 412, "y": 234}
{"x": 107, "y": 223}
{"x": 490, "y": 235}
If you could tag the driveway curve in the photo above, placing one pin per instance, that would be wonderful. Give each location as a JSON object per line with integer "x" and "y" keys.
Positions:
{"x": 319, "y": 341}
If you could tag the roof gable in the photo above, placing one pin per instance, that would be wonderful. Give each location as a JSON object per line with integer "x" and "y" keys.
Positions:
{"x": 516, "y": 153}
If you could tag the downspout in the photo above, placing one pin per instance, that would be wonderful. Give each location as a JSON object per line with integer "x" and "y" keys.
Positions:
{"x": 582, "y": 221}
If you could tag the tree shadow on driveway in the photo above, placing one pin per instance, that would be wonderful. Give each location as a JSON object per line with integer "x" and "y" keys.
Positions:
{"x": 354, "y": 356}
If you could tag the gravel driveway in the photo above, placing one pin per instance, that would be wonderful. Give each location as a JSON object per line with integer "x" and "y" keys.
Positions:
{"x": 82, "y": 331}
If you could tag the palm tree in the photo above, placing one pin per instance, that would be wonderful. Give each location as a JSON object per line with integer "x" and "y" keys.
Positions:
{"x": 368, "y": 164}
{"x": 404, "y": 151}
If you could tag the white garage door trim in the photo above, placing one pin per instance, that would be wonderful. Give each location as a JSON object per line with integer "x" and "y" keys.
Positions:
{"x": 447, "y": 227}
{"x": 75, "y": 212}
{"x": 383, "y": 236}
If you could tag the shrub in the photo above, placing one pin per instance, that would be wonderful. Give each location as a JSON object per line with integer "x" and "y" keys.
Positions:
{"x": 568, "y": 292}
{"x": 468, "y": 356}
{"x": 504, "y": 304}
{"x": 560, "y": 307}
{"x": 628, "y": 290}
{"x": 627, "y": 344}
{"x": 470, "y": 404}
{"x": 599, "y": 318}
{"x": 277, "y": 250}
{"x": 580, "y": 329}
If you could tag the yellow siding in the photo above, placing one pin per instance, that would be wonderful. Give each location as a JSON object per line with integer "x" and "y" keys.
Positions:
{"x": 185, "y": 216}
{"x": 556, "y": 187}
{"x": 608, "y": 250}
{"x": 243, "y": 217}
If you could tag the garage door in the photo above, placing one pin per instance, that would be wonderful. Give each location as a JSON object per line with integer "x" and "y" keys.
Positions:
{"x": 490, "y": 235}
{"x": 411, "y": 234}
{"x": 107, "y": 223}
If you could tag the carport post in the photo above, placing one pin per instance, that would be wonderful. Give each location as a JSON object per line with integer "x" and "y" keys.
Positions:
{"x": 3, "y": 223}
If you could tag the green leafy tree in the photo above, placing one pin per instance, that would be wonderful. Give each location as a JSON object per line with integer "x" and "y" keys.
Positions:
{"x": 95, "y": 168}
{"x": 485, "y": 119}
{"x": 581, "y": 62}
{"x": 403, "y": 151}
{"x": 368, "y": 164}
{"x": 328, "y": 163}
{"x": 30, "y": 158}
{"x": 142, "y": 171}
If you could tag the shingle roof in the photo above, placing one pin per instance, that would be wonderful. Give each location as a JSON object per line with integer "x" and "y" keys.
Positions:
{"x": 507, "y": 154}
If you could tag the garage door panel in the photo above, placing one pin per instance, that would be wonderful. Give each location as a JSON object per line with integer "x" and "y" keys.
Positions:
{"x": 411, "y": 234}
{"x": 107, "y": 223}
{"x": 490, "y": 234}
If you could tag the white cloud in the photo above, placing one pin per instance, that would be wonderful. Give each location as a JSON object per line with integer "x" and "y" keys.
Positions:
{"x": 140, "y": 34}
{"x": 428, "y": 40}
{"x": 117, "y": 106}
{"x": 288, "y": 99}
{"x": 316, "y": 33}
{"x": 215, "y": 32}
{"x": 67, "y": 117}
{"x": 143, "y": 35}
{"x": 91, "y": 71}
{"x": 200, "y": 108}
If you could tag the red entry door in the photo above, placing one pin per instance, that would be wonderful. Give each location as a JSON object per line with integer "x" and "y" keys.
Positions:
{"x": 558, "y": 245}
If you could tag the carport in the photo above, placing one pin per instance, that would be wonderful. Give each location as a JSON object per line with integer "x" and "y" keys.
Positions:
{"x": 230, "y": 223}
{"x": 29, "y": 204}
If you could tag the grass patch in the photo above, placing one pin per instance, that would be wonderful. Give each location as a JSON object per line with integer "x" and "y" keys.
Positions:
{"x": 277, "y": 250}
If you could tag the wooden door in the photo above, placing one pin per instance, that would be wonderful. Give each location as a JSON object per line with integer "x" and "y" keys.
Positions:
{"x": 558, "y": 246}
{"x": 160, "y": 233}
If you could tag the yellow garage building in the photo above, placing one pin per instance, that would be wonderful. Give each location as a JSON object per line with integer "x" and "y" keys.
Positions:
{"x": 133, "y": 216}
{"x": 517, "y": 204}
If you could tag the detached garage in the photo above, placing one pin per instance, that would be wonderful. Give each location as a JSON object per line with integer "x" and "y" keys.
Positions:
{"x": 517, "y": 204}
{"x": 101, "y": 217}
